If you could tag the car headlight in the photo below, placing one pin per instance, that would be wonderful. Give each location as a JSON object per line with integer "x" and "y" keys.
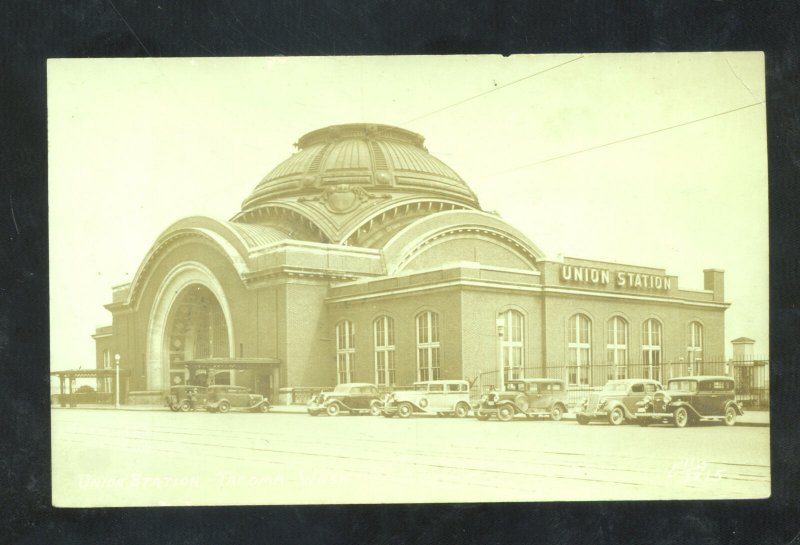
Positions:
{"x": 484, "y": 398}
{"x": 603, "y": 403}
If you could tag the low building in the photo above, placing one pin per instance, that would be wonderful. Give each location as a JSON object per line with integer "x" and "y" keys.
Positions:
{"x": 363, "y": 258}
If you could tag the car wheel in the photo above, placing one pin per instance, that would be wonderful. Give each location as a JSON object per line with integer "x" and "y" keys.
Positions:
{"x": 174, "y": 408}
{"x": 375, "y": 408}
{"x": 333, "y": 409}
{"x": 556, "y": 413}
{"x": 616, "y": 417}
{"x": 462, "y": 410}
{"x": 505, "y": 413}
{"x": 582, "y": 420}
{"x": 224, "y": 406}
{"x": 404, "y": 410}
{"x": 264, "y": 408}
{"x": 185, "y": 407}
{"x": 730, "y": 416}
{"x": 680, "y": 418}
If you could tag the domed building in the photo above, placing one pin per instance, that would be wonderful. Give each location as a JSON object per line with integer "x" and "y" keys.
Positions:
{"x": 364, "y": 258}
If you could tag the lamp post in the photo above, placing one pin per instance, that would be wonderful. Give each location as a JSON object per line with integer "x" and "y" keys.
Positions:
{"x": 116, "y": 382}
{"x": 500, "y": 322}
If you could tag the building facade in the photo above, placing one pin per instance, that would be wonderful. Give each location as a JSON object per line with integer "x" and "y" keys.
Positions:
{"x": 363, "y": 258}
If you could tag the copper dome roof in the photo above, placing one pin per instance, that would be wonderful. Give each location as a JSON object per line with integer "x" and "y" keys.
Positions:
{"x": 365, "y": 156}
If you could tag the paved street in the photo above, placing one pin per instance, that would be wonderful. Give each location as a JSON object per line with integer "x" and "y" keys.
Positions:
{"x": 107, "y": 457}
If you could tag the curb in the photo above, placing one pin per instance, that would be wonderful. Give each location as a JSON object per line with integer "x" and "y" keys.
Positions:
{"x": 279, "y": 409}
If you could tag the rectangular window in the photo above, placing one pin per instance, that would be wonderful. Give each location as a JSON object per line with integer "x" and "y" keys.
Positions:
{"x": 345, "y": 352}
{"x": 428, "y": 346}
{"x": 384, "y": 351}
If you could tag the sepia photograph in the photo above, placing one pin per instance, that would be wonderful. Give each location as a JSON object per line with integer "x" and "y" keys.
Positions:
{"x": 408, "y": 279}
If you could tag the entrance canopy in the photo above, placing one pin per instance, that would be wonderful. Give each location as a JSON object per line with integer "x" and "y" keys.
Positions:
{"x": 211, "y": 366}
{"x": 263, "y": 364}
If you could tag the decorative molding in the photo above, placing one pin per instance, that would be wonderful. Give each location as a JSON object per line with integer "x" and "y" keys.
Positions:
{"x": 344, "y": 198}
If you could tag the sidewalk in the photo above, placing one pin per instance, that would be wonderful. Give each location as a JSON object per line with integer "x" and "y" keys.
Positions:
{"x": 750, "y": 418}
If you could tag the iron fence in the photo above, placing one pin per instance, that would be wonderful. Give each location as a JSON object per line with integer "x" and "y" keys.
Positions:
{"x": 751, "y": 376}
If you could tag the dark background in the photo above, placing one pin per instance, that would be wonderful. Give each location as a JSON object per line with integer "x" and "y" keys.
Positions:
{"x": 32, "y": 31}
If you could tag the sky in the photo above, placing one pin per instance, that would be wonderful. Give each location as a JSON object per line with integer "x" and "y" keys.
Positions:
{"x": 646, "y": 159}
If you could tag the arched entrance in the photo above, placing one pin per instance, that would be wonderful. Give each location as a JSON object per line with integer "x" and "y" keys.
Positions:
{"x": 196, "y": 329}
{"x": 190, "y": 319}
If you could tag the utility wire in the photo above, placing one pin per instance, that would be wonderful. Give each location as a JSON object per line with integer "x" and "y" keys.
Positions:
{"x": 453, "y": 105}
{"x": 627, "y": 139}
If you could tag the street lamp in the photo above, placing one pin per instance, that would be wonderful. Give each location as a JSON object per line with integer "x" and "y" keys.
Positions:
{"x": 116, "y": 382}
{"x": 501, "y": 326}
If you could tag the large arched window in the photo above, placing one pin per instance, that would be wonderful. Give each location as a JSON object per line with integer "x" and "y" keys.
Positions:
{"x": 617, "y": 348}
{"x": 513, "y": 344}
{"x": 695, "y": 348}
{"x": 579, "y": 348}
{"x": 345, "y": 352}
{"x": 428, "y": 346}
{"x": 383, "y": 334}
{"x": 651, "y": 348}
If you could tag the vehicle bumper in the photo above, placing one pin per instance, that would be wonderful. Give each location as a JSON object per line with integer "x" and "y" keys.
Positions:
{"x": 592, "y": 415}
{"x": 640, "y": 413}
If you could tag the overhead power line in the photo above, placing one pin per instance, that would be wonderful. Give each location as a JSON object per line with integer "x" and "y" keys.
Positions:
{"x": 626, "y": 139}
{"x": 494, "y": 90}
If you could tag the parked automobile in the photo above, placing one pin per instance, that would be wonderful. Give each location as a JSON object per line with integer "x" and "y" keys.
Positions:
{"x": 354, "y": 397}
{"x": 688, "y": 400}
{"x": 223, "y": 398}
{"x": 618, "y": 401}
{"x": 438, "y": 397}
{"x": 185, "y": 398}
{"x": 532, "y": 397}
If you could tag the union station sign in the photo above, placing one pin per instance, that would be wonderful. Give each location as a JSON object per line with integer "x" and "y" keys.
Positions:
{"x": 620, "y": 279}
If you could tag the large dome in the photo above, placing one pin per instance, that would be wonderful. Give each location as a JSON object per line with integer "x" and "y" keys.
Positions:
{"x": 345, "y": 175}
{"x": 370, "y": 156}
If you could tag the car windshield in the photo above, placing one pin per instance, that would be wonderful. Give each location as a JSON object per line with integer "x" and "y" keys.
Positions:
{"x": 615, "y": 387}
{"x": 421, "y": 387}
{"x": 686, "y": 385}
{"x": 342, "y": 389}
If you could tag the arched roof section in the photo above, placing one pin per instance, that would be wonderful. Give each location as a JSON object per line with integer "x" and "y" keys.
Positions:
{"x": 233, "y": 240}
{"x": 414, "y": 239}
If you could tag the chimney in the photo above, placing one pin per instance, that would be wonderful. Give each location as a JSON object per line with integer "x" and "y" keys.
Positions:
{"x": 714, "y": 280}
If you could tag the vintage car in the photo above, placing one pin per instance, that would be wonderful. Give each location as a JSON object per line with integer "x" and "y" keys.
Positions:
{"x": 185, "y": 398}
{"x": 618, "y": 401}
{"x": 223, "y": 398}
{"x": 532, "y": 397}
{"x": 688, "y": 400}
{"x": 354, "y": 397}
{"x": 439, "y": 397}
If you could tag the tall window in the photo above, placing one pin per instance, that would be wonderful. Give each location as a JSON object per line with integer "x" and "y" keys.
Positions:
{"x": 383, "y": 329}
{"x": 428, "y": 346}
{"x": 651, "y": 348}
{"x": 513, "y": 344}
{"x": 345, "y": 352}
{"x": 695, "y": 348}
{"x": 579, "y": 348}
{"x": 617, "y": 348}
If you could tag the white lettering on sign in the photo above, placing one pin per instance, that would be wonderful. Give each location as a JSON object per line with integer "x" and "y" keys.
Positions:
{"x": 622, "y": 279}
{"x": 585, "y": 274}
